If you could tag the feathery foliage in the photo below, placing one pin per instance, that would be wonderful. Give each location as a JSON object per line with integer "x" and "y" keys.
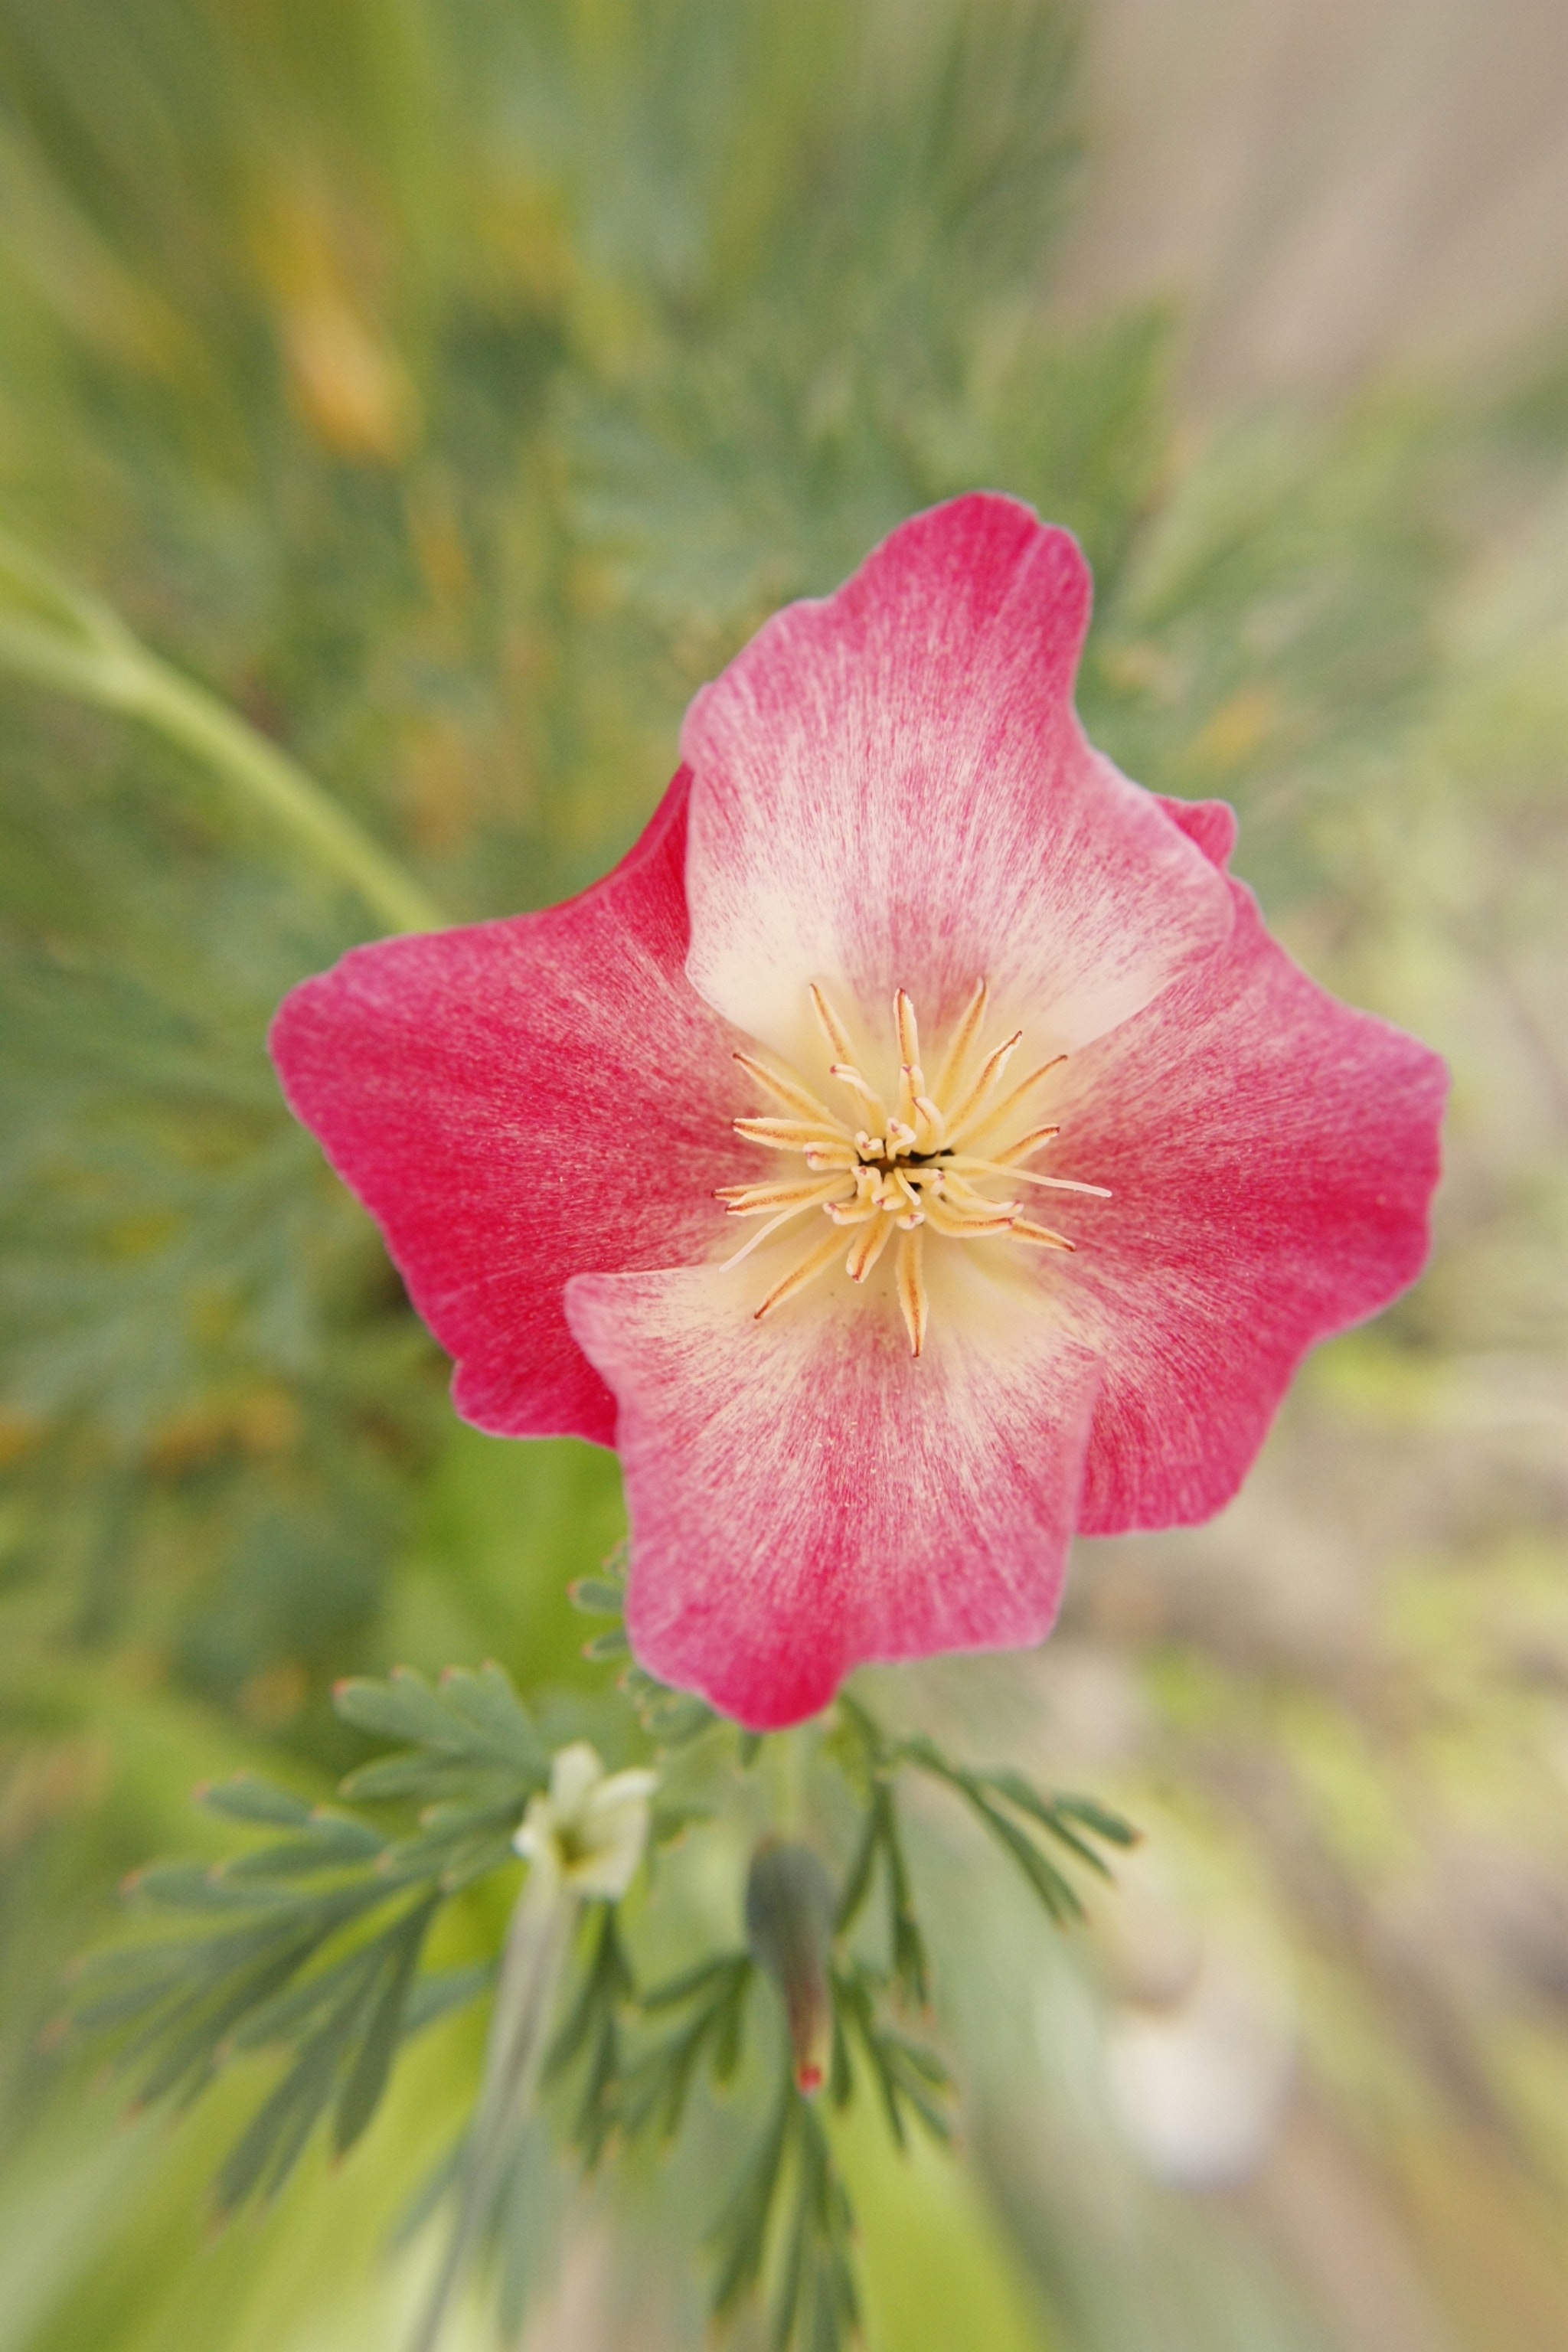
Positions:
{"x": 439, "y": 391}
{"x": 309, "y": 1947}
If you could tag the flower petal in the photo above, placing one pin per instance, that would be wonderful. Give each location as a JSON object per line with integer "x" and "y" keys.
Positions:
{"x": 892, "y": 788}
{"x": 1271, "y": 1155}
{"x": 804, "y": 1495}
{"x": 1211, "y": 824}
{"x": 521, "y": 1100}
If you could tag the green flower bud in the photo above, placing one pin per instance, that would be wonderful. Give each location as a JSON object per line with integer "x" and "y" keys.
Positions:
{"x": 791, "y": 1906}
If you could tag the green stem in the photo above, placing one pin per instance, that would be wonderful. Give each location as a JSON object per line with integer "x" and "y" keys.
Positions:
{"x": 68, "y": 642}
{"x": 793, "y": 1754}
{"x": 199, "y": 723}
{"x": 537, "y": 1943}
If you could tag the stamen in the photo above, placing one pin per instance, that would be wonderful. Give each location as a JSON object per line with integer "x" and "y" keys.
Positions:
{"x": 991, "y": 1070}
{"x": 944, "y": 1220}
{"x": 856, "y": 1211}
{"x": 957, "y": 1053}
{"x": 898, "y": 1189}
{"x": 918, "y": 1168}
{"x": 867, "y": 1247}
{"x": 909, "y": 1029}
{"x": 1027, "y": 1145}
{"x": 790, "y": 1092}
{"x": 1026, "y": 1176}
{"x": 930, "y": 1128}
{"x": 1010, "y": 1103}
{"x": 805, "y": 1272}
{"x": 967, "y": 1202}
{"x": 848, "y": 1076}
{"x": 1024, "y": 1230}
{"x": 833, "y": 1029}
{"x": 791, "y": 1134}
{"x": 756, "y": 1200}
{"x": 912, "y": 1290}
{"x": 761, "y": 1235}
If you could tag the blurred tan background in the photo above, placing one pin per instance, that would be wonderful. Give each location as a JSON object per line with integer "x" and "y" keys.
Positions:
{"x": 1328, "y": 187}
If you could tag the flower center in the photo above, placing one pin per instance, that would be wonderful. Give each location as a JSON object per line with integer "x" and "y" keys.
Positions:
{"x": 911, "y": 1170}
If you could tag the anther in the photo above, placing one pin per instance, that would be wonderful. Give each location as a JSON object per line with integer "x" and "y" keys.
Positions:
{"x": 905, "y": 1173}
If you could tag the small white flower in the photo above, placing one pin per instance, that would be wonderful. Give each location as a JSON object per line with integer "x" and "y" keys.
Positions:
{"x": 590, "y": 1832}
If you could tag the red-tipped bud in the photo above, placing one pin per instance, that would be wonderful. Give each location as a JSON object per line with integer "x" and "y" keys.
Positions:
{"x": 791, "y": 1906}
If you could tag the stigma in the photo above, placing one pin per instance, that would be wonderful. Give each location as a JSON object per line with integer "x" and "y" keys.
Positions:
{"x": 914, "y": 1163}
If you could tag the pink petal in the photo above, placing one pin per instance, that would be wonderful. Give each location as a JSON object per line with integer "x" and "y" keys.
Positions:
{"x": 521, "y": 1100}
{"x": 1272, "y": 1155}
{"x": 892, "y": 788}
{"x": 803, "y": 1496}
{"x": 1211, "y": 824}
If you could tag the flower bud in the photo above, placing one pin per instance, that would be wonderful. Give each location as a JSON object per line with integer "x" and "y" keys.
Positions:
{"x": 589, "y": 1833}
{"x": 790, "y": 1907}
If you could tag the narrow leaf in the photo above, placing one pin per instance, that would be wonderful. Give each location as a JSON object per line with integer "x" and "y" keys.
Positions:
{"x": 405, "y": 1709}
{"x": 791, "y": 2277}
{"x": 194, "y": 1887}
{"x": 1017, "y": 1791}
{"x": 496, "y": 1817}
{"x": 368, "y": 2076}
{"x": 490, "y": 1707}
{"x": 696, "y": 1979}
{"x": 447, "y": 1989}
{"x": 1100, "y": 1820}
{"x": 455, "y": 1861}
{"x": 595, "y": 1597}
{"x": 248, "y": 1798}
{"x": 332, "y": 1841}
{"x": 419, "y": 1775}
{"x": 742, "y": 2233}
{"x": 189, "y": 2058}
{"x": 730, "y": 2030}
{"x": 287, "y": 2013}
{"x": 116, "y": 2008}
{"x": 266, "y": 2153}
{"x": 475, "y": 1859}
{"x": 1057, "y": 1893}
{"x": 857, "y": 1886}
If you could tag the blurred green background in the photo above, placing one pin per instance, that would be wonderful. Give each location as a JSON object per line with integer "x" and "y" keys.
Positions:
{"x": 451, "y": 385}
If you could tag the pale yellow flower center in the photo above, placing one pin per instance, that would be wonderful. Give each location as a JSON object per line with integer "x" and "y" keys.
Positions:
{"x": 588, "y": 1834}
{"x": 912, "y": 1169}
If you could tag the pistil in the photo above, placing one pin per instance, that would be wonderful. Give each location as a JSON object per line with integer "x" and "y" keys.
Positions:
{"x": 913, "y": 1170}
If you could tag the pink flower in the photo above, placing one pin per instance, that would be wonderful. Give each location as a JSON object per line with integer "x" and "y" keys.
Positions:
{"x": 916, "y": 1150}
